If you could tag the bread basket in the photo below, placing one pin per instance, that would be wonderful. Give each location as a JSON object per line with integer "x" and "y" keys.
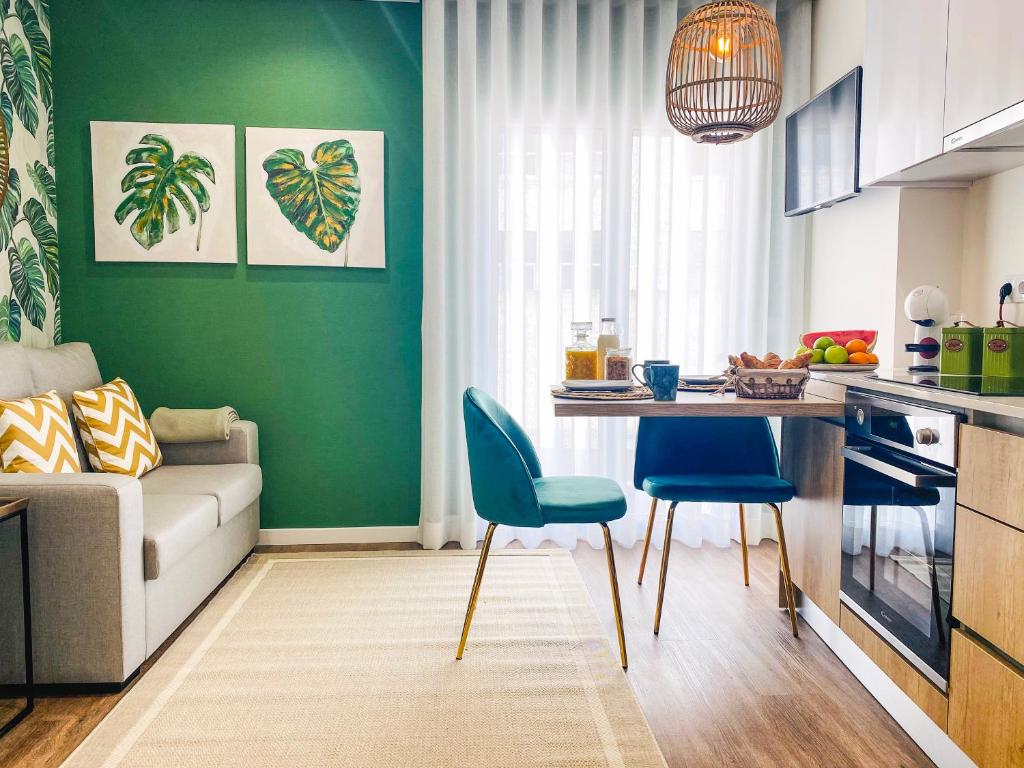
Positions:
{"x": 769, "y": 383}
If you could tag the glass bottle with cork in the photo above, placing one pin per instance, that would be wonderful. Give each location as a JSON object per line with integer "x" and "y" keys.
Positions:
{"x": 609, "y": 339}
{"x": 581, "y": 355}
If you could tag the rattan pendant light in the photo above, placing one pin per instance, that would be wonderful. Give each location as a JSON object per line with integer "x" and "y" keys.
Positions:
{"x": 724, "y": 79}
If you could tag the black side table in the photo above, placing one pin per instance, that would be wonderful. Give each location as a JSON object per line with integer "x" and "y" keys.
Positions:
{"x": 11, "y": 509}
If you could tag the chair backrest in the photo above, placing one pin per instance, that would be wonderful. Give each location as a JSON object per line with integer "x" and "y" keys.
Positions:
{"x": 502, "y": 463}
{"x": 698, "y": 445}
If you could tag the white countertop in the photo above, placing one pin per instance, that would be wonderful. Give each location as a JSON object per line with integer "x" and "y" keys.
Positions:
{"x": 1012, "y": 407}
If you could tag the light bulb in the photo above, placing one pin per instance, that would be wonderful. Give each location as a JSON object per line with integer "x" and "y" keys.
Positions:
{"x": 723, "y": 46}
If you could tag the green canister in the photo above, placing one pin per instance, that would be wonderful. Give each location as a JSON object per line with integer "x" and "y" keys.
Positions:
{"x": 1004, "y": 352}
{"x": 962, "y": 346}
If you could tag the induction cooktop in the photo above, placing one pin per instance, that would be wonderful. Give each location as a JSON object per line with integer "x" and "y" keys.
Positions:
{"x": 995, "y": 386}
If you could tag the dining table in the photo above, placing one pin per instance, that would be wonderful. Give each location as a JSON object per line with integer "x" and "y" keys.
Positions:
{"x": 702, "y": 404}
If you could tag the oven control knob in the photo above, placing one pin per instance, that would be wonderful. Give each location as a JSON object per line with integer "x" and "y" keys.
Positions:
{"x": 927, "y": 436}
{"x": 860, "y": 417}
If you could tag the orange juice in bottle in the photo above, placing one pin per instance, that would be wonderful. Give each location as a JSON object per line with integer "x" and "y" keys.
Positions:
{"x": 581, "y": 355}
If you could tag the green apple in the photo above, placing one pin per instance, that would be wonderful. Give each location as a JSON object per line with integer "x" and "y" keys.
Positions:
{"x": 817, "y": 356}
{"x": 801, "y": 350}
{"x": 836, "y": 355}
{"x": 824, "y": 342}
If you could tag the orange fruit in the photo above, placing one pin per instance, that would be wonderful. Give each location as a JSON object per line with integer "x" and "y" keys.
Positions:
{"x": 856, "y": 345}
{"x": 860, "y": 358}
{"x": 872, "y": 358}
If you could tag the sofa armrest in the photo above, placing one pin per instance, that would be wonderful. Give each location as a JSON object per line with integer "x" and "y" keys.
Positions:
{"x": 241, "y": 447}
{"x": 88, "y": 593}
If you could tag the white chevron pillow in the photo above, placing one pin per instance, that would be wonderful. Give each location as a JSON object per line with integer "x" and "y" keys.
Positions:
{"x": 116, "y": 435}
{"x": 36, "y": 436}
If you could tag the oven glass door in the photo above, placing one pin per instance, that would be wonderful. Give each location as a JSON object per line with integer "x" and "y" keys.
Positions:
{"x": 897, "y": 563}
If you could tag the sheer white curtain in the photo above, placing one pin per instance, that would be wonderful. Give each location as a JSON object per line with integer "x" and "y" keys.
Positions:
{"x": 556, "y": 190}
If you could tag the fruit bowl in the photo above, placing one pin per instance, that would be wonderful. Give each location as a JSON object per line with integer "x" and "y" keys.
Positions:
{"x": 843, "y": 368}
{"x": 840, "y": 350}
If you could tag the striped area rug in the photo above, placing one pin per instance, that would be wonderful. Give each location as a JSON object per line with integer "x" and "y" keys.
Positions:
{"x": 348, "y": 659}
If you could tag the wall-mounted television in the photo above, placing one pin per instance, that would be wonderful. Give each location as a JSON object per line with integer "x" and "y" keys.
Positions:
{"x": 823, "y": 148}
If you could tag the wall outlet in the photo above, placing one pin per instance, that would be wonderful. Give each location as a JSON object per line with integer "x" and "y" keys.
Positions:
{"x": 1017, "y": 281}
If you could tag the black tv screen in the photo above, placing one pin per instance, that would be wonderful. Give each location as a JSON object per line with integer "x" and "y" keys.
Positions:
{"x": 823, "y": 148}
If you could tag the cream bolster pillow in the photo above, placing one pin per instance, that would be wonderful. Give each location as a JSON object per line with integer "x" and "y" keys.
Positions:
{"x": 192, "y": 425}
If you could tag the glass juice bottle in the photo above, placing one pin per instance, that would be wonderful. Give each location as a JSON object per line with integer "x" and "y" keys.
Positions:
{"x": 581, "y": 356}
{"x": 609, "y": 339}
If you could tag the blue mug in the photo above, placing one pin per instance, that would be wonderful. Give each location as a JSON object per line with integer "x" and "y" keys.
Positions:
{"x": 664, "y": 381}
{"x": 642, "y": 378}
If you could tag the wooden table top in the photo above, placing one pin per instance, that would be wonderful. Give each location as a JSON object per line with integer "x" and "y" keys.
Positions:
{"x": 701, "y": 404}
{"x": 9, "y": 507}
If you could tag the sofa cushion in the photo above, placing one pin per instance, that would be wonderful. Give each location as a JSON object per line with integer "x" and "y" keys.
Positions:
{"x": 235, "y": 486}
{"x": 66, "y": 367}
{"x": 172, "y": 525}
{"x": 116, "y": 434}
{"x": 36, "y": 436}
{"x": 15, "y": 374}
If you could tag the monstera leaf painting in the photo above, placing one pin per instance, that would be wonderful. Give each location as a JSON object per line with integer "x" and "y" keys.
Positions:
{"x": 157, "y": 184}
{"x": 321, "y": 202}
{"x": 161, "y": 192}
{"x": 315, "y": 197}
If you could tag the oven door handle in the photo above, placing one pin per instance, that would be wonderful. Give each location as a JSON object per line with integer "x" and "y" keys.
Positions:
{"x": 928, "y": 477}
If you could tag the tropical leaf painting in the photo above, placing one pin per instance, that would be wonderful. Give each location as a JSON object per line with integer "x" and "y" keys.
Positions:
{"x": 157, "y": 185}
{"x": 321, "y": 202}
{"x": 30, "y": 287}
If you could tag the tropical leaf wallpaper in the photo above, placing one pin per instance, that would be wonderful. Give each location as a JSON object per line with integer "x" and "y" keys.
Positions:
{"x": 29, "y": 275}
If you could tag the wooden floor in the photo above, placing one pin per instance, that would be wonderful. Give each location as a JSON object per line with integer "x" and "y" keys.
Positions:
{"x": 724, "y": 685}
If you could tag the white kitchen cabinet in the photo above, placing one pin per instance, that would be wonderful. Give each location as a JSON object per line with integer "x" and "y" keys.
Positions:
{"x": 904, "y": 85}
{"x": 985, "y": 63}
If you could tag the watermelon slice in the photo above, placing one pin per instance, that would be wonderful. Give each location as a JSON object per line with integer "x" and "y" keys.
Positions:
{"x": 840, "y": 337}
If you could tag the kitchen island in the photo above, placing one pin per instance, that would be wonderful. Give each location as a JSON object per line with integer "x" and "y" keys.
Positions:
{"x": 974, "y": 716}
{"x": 701, "y": 404}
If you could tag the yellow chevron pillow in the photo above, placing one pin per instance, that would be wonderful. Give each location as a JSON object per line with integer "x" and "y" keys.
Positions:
{"x": 36, "y": 436}
{"x": 116, "y": 435}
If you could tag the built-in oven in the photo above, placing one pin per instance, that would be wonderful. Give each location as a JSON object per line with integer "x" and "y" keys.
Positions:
{"x": 899, "y": 509}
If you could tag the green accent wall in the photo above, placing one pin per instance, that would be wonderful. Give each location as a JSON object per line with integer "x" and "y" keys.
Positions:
{"x": 326, "y": 361}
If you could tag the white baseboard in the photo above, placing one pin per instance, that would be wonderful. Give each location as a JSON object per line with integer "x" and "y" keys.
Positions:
{"x": 926, "y": 734}
{"x": 384, "y": 534}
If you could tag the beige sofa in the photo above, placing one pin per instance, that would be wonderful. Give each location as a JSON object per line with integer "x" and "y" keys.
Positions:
{"x": 118, "y": 563}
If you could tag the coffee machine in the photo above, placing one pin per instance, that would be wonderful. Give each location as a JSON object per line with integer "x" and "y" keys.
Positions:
{"x": 928, "y": 309}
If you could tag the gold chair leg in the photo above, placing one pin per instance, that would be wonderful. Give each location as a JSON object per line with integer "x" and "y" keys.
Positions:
{"x": 476, "y": 587}
{"x": 786, "y": 577}
{"x": 614, "y": 579}
{"x": 664, "y": 565}
{"x": 743, "y": 546}
{"x": 647, "y": 541}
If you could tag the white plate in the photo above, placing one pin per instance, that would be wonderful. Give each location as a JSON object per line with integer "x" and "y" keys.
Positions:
{"x": 597, "y": 385}
{"x": 845, "y": 368}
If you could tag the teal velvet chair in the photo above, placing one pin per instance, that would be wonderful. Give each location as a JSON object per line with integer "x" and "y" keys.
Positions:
{"x": 707, "y": 459}
{"x": 510, "y": 489}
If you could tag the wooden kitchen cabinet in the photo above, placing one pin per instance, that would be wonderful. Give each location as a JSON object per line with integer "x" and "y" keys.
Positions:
{"x": 991, "y": 473}
{"x": 988, "y": 587}
{"x": 812, "y": 461}
{"x": 929, "y": 698}
{"x": 904, "y": 85}
{"x": 986, "y": 705}
{"x": 984, "y": 66}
